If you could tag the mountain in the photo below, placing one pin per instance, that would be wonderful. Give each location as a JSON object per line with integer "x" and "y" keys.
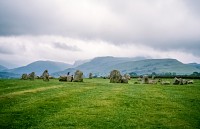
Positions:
{"x": 39, "y": 66}
{"x": 195, "y": 65}
{"x": 98, "y": 65}
{"x": 80, "y": 62}
{"x": 156, "y": 65}
{"x": 2, "y": 68}
{"x": 101, "y": 66}
{"x": 9, "y": 65}
{"x": 9, "y": 75}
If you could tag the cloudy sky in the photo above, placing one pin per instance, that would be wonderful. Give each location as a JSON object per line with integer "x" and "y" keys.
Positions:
{"x": 69, "y": 30}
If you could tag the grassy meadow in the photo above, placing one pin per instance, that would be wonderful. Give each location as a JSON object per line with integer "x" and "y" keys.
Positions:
{"x": 96, "y": 103}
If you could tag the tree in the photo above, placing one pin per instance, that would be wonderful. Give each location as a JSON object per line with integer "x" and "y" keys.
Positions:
{"x": 195, "y": 74}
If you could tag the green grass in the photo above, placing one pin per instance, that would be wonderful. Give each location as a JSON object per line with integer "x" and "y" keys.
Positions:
{"x": 96, "y": 103}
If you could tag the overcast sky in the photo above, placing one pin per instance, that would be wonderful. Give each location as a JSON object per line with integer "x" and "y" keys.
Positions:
{"x": 69, "y": 30}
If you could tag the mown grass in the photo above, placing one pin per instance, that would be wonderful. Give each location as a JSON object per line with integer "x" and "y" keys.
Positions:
{"x": 96, "y": 103}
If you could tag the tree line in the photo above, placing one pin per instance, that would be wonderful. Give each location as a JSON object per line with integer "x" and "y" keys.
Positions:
{"x": 194, "y": 75}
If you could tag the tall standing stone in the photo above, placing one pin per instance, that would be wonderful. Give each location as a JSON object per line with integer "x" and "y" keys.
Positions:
{"x": 78, "y": 76}
{"x": 32, "y": 76}
{"x": 145, "y": 79}
{"x": 115, "y": 76}
{"x": 45, "y": 75}
{"x": 90, "y": 76}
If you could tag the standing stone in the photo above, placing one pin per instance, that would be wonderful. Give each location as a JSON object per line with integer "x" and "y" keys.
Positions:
{"x": 78, "y": 76}
{"x": 45, "y": 75}
{"x": 180, "y": 81}
{"x": 32, "y": 76}
{"x": 145, "y": 79}
{"x": 185, "y": 82}
{"x": 115, "y": 76}
{"x": 24, "y": 76}
{"x": 139, "y": 79}
{"x": 152, "y": 82}
{"x": 176, "y": 81}
{"x": 165, "y": 83}
{"x": 127, "y": 76}
{"x": 124, "y": 80}
{"x": 63, "y": 78}
{"x": 69, "y": 78}
{"x": 90, "y": 76}
{"x": 190, "y": 82}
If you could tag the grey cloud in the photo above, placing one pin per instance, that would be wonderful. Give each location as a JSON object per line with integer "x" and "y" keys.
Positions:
{"x": 5, "y": 51}
{"x": 11, "y": 47}
{"x": 66, "y": 47}
{"x": 164, "y": 25}
{"x": 193, "y": 5}
{"x": 180, "y": 46}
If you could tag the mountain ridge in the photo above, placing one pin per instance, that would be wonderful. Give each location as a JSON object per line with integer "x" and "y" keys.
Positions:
{"x": 3, "y": 67}
{"x": 101, "y": 66}
{"x": 39, "y": 66}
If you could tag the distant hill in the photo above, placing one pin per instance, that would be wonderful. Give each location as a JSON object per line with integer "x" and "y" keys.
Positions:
{"x": 195, "y": 65}
{"x": 98, "y": 65}
{"x": 2, "y": 68}
{"x": 9, "y": 75}
{"x": 39, "y": 66}
{"x": 7, "y": 64}
{"x": 101, "y": 66}
{"x": 156, "y": 65}
{"x": 80, "y": 62}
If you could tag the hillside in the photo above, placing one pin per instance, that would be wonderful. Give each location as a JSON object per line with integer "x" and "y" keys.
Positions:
{"x": 2, "y": 68}
{"x": 80, "y": 62}
{"x": 195, "y": 65}
{"x": 156, "y": 65}
{"x": 98, "y": 65}
{"x": 8, "y": 75}
{"x": 39, "y": 66}
{"x": 102, "y": 66}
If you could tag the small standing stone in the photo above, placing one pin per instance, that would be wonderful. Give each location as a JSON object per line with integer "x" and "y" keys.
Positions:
{"x": 124, "y": 80}
{"x": 145, "y": 79}
{"x": 127, "y": 76}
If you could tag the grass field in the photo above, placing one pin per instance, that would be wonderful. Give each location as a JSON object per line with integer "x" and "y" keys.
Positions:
{"x": 96, "y": 103}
